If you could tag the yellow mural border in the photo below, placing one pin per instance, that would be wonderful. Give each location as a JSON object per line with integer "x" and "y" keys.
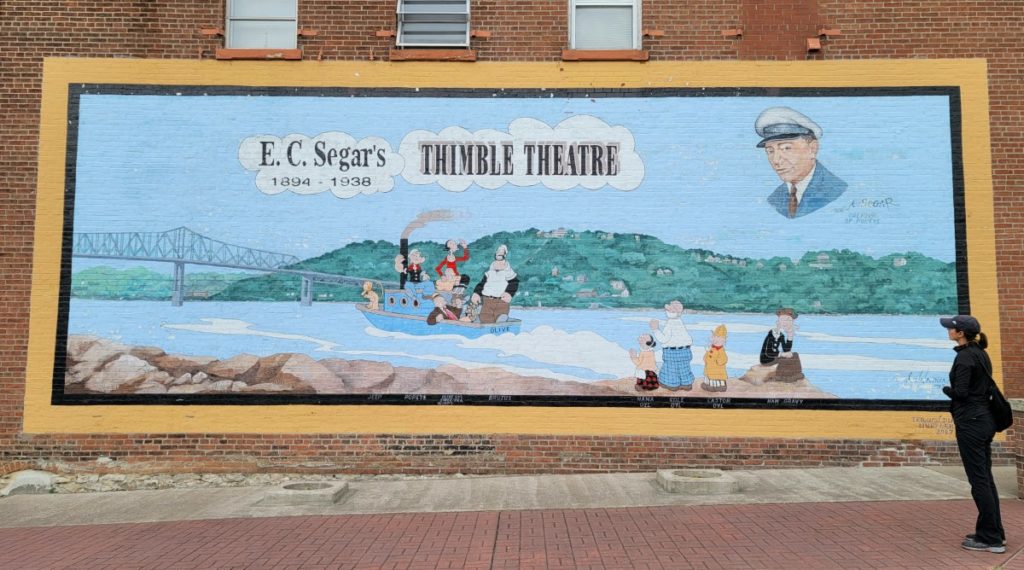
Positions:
{"x": 40, "y": 416}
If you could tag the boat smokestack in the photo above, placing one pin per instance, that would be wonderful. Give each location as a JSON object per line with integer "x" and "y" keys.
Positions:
{"x": 421, "y": 220}
{"x": 403, "y": 248}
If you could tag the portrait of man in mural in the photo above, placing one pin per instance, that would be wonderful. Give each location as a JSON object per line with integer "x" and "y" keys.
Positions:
{"x": 790, "y": 140}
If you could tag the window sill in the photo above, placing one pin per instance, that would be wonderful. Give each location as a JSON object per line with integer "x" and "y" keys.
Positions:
{"x": 284, "y": 54}
{"x": 604, "y": 55}
{"x": 432, "y": 55}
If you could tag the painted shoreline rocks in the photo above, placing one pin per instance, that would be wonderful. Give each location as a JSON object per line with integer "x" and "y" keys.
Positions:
{"x": 101, "y": 366}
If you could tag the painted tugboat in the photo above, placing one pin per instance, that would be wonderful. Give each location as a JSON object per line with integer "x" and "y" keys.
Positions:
{"x": 404, "y": 311}
{"x": 407, "y": 308}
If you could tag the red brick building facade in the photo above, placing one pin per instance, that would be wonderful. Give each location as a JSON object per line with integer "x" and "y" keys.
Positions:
{"x": 525, "y": 31}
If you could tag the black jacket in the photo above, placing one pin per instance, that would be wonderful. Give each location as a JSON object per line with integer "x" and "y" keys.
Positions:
{"x": 969, "y": 381}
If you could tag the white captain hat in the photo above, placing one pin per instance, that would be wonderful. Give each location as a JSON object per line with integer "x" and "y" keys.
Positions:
{"x": 776, "y": 123}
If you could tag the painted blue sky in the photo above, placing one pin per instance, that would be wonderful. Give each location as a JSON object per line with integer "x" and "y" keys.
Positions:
{"x": 149, "y": 163}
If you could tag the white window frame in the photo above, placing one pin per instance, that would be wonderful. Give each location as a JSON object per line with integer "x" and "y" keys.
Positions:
{"x": 635, "y": 4}
{"x": 229, "y": 13}
{"x": 444, "y": 16}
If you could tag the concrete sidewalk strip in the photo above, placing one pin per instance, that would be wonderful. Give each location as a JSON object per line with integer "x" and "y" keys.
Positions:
{"x": 495, "y": 493}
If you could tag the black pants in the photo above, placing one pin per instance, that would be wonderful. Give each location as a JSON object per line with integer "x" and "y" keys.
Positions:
{"x": 974, "y": 439}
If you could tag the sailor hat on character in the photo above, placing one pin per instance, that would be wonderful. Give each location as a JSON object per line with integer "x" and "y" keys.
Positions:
{"x": 784, "y": 123}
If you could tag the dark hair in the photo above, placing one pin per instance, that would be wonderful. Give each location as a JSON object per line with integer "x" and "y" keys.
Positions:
{"x": 651, "y": 342}
{"x": 979, "y": 339}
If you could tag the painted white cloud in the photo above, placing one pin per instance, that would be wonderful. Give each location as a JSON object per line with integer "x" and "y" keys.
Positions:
{"x": 580, "y": 151}
{"x": 329, "y": 162}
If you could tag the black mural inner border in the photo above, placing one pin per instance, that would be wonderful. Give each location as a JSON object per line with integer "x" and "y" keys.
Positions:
{"x": 76, "y": 91}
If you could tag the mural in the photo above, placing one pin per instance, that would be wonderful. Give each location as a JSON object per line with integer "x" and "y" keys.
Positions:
{"x": 661, "y": 246}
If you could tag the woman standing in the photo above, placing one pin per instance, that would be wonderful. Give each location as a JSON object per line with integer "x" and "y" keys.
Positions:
{"x": 969, "y": 380}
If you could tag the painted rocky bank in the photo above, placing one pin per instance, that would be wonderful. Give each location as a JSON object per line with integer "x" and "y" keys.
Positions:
{"x": 101, "y": 366}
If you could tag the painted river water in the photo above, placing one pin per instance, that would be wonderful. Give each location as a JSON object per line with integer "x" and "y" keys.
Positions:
{"x": 862, "y": 356}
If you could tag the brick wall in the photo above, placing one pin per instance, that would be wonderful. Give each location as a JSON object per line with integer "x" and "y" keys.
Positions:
{"x": 778, "y": 30}
{"x": 534, "y": 30}
{"x": 448, "y": 454}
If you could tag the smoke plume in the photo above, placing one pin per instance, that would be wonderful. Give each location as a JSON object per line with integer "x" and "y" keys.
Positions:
{"x": 425, "y": 218}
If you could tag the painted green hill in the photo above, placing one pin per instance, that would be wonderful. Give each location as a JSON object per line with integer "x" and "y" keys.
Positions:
{"x": 139, "y": 283}
{"x": 599, "y": 269}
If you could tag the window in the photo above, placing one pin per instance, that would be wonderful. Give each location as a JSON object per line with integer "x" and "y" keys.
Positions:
{"x": 433, "y": 23}
{"x": 262, "y": 24}
{"x": 605, "y": 24}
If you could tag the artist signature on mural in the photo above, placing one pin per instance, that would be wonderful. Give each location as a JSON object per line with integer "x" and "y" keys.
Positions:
{"x": 886, "y": 202}
{"x": 862, "y": 218}
{"x": 920, "y": 378}
{"x": 920, "y": 382}
{"x": 942, "y": 426}
{"x": 866, "y": 210}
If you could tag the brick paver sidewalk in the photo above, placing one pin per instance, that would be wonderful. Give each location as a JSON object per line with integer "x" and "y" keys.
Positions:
{"x": 807, "y": 536}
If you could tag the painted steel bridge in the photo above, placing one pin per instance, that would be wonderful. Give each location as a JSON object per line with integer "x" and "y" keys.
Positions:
{"x": 182, "y": 246}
